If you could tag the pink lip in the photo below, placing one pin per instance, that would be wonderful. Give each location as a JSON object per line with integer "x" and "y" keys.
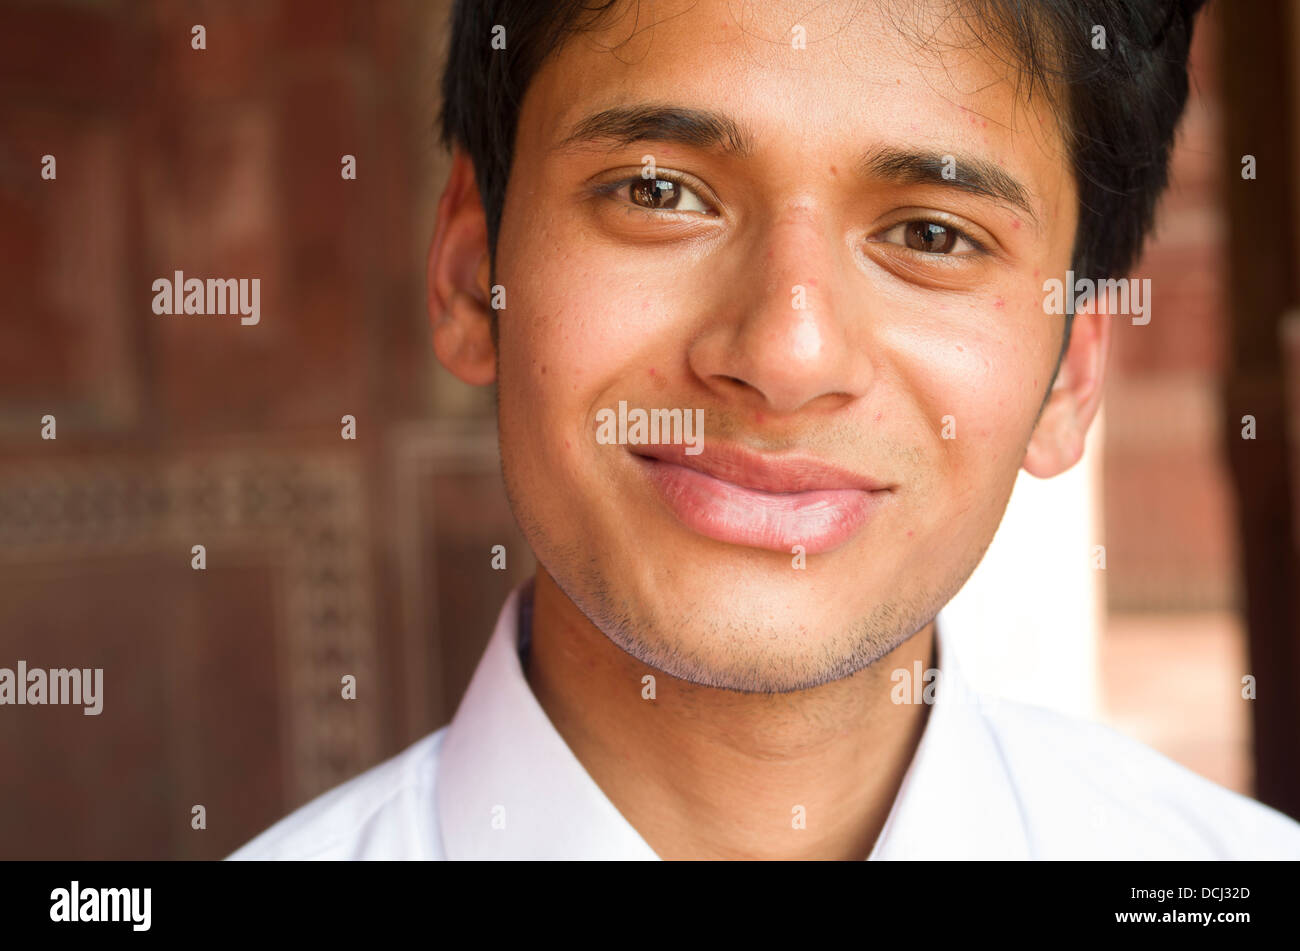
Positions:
{"x": 733, "y": 495}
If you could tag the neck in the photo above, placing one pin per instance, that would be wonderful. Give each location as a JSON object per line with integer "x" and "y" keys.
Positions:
{"x": 706, "y": 773}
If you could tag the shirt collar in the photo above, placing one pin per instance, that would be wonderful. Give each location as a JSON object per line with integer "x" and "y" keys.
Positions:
{"x": 509, "y": 787}
{"x": 957, "y": 800}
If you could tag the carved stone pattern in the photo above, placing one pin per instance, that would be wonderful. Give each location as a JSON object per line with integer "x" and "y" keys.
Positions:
{"x": 306, "y": 508}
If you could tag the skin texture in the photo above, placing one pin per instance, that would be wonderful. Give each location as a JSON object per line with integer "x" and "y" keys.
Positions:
{"x": 772, "y": 683}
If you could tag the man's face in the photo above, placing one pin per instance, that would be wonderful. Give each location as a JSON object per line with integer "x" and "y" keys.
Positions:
{"x": 830, "y": 298}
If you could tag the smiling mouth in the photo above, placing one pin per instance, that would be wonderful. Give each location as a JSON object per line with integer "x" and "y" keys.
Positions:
{"x": 733, "y": 495}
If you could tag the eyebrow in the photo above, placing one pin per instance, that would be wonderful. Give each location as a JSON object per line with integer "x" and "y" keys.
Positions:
{"x": 623, "y": 125}
{"x": 620, "y": 126}
{"x": 924, "y": 167}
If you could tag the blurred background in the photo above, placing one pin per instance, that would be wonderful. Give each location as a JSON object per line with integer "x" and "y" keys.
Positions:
{"x": 369, "y": 557}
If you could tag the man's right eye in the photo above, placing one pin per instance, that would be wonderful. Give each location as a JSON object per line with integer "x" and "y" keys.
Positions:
{"x": 661, "y": 193}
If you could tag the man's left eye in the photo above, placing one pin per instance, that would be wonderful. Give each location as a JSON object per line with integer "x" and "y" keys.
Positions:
{"x": 929, "y": 237}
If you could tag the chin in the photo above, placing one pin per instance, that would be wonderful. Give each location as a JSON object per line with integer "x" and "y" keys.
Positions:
{"x": 729, "y": 628}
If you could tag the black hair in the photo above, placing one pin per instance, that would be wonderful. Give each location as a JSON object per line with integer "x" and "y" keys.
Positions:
{"x": 1119, "y": 100}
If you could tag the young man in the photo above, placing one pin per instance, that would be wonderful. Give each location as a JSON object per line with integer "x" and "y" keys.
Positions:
{"x": 819, "y": 234}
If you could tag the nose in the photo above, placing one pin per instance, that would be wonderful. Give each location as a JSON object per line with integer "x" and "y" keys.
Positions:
{"x": 781, "y": 339}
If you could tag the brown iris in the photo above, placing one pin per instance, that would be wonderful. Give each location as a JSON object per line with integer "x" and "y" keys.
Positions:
{"x": 655, "y": 193}
{"x": 929, "y": 237}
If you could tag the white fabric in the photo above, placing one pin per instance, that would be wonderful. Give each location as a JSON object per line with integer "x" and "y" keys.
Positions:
{"x": 990, "y": 779}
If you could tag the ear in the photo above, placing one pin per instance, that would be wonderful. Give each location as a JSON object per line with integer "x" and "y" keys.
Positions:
{"x": 458, "y": 278}
{"x": 1058, "y": 438}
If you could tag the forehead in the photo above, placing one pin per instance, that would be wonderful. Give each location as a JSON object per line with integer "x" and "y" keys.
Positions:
{"x": 821, "y": 81}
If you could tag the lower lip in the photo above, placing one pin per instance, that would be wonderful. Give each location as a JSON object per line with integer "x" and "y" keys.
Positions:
{"x": 820, "y": 520}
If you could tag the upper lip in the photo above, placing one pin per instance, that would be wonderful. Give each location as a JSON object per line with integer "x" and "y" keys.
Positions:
{"x": 788, "y": 472}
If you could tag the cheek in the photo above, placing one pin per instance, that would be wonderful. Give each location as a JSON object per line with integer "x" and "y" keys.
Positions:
{"x": 589, "y": 319}
{"x": 977, "y": 376}
{"x": 1001, "y": 389}
{"x": 571, "y": 339}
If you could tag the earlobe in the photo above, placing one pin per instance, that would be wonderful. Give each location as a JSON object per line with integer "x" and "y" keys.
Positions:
{"x": 1058, "y": 439}
{"x": 457, "y": 280}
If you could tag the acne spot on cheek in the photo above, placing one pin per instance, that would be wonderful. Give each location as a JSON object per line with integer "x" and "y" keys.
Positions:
{"x": 878, "y": 416}
{"x": 910, "y": 533}
{"x": 567, "y": 445}
{"x": 999, "y": 303}
{"x": 833, "y": 170}
{"x": 1015, "y": 223}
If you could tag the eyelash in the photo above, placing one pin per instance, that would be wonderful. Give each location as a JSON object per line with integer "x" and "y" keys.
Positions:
{"x": 611, "y": 190}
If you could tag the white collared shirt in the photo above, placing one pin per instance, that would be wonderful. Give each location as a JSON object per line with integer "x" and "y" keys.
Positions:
{"x": 991, "y": 779}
